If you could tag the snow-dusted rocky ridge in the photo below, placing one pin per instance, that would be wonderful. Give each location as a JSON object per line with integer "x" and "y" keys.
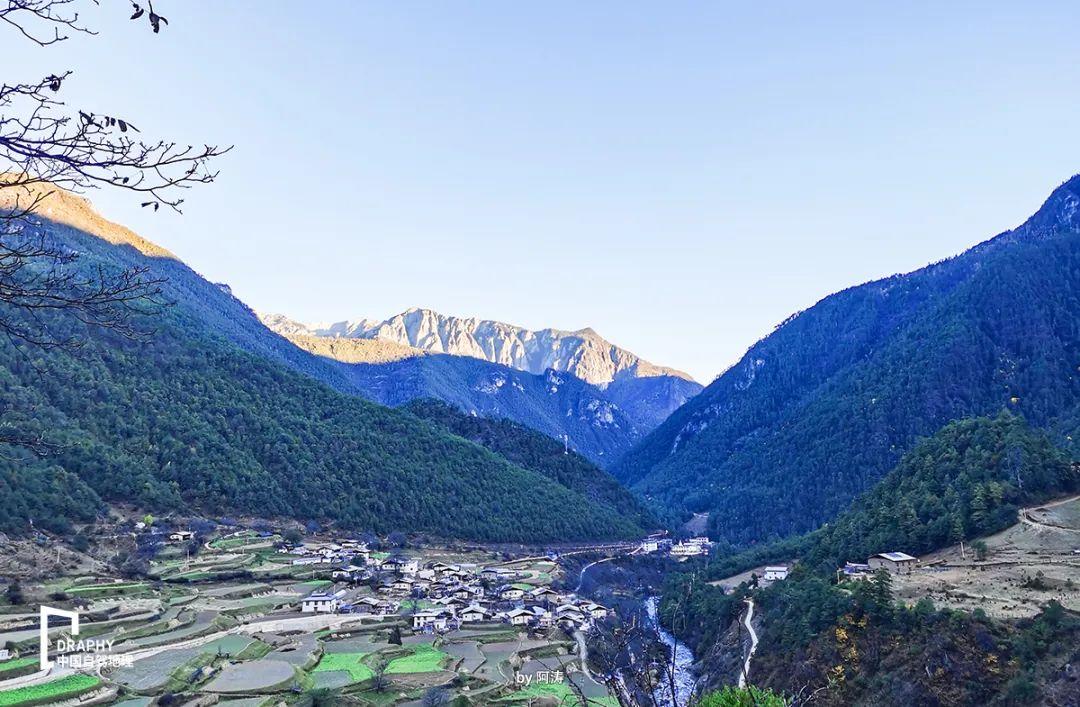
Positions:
{"x": 568, "y": 385}
{"x": 583, "y": 353}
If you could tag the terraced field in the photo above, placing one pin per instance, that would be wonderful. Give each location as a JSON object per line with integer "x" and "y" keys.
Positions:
{"x": 241, "y": 640}
{"x": 349, "y": 663}
{"x": 423, "y": 659}
{"x": 52, "y": 691}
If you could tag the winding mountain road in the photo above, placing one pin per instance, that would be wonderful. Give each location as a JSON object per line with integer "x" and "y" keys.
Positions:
{"x": 753, "y": 642}
{"x": 1026, "y": 519}
{"x": 581, "y": 575}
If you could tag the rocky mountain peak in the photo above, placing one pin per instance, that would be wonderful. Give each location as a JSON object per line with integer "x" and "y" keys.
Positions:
{"x": 582, "y": 353}
{"x": 1060, "y": 212}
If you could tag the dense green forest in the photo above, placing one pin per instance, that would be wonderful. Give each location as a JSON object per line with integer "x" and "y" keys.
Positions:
{"x": 531, "y": 450}
{"x": 187, "y": 420}
{"x": 821, "y": 409}
{"x": 554, "y": 403}
{"x": 965, "y": 481}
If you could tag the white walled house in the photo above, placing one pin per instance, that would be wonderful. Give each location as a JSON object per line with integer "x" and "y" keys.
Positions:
{"x": 511, "y": 593}
{"x": 519, "y": 617}
{"x": 894, "y": 562}
{"x": 594, "y": 610}
{"x": 685, "y": 550}
{"x": 321, "y": 603}
{"x": 474, "y": 614}
{"x": 773, "y": 574}
{"x": 434, "y": 619}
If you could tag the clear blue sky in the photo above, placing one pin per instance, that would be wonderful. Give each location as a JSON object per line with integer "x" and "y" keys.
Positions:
{"x": 679, "y": 176}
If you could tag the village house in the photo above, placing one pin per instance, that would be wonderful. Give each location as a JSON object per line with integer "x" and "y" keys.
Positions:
{"x": 543, "y": 594}
{"x": 375, "y": 605}
{"x": 649, "y": 546}
{"x": 542, "y": 618}
{"x": 519, "y": 617}
{"x": 402, "y": 564}
{"x": 436, "y": 620}
{"x": 402, "y": 585}
{"x": 464, "y": 592}
{"x": 511, "y": 593}
{"x": 894, "y": 562}
{"x": 474, "y": 614}
{"x": 776, "y": 573}
{"x": 594, "y": 610}
{"x": 570, "y": 616}
{"x": 322, "y": 602}
{"x": 180, "y": 536}
{"x": 348, "y": 574}
{"x": 441, "y": 568}
{"x": 497, "y": 574}
{"x": 686, "y": 550}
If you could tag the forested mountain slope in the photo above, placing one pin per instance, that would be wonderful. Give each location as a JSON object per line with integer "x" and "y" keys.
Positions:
{"x": 819, "y": 410}
{"x": 531, "y": 450}
{"x": 486, "y": 368}
{"x": 555, "y": 404}
{"x": 208, "y": 415}
{"x": 964, "y": 482}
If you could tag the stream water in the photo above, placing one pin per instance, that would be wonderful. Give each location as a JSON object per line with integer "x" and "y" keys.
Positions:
{"x": 683, "y": 657}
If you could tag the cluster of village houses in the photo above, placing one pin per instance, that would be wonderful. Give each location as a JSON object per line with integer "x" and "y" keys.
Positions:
{"x": 694, "y": 547}
{"x": 452, "y": 595}
{"x": 892, "y": 562}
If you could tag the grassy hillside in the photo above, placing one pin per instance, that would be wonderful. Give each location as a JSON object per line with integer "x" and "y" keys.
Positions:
{"x": 821, "y": 409}
{"x": 537, "y": 452}
{"x": 210, "y": 415}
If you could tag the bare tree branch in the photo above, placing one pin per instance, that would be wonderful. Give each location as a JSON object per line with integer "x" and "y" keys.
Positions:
{"x": 45, "y": 146}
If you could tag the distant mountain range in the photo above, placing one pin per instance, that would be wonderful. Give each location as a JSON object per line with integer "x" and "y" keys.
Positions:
{"x": 583, "y": 353}
{"x": 569, "y": 385}
{"x": 215, "y": 414}
{"x": 820, "y": 409}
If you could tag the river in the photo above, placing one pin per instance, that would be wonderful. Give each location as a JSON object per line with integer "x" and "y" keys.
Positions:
{"x": 685, "y": 680}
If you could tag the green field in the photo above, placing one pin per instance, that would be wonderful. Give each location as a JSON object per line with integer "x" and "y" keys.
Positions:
{"x": 424, "y": 659}
{"x": 346, "y": 662}
{"x": 16, "y": 664}
{"x": 64, "y": 688}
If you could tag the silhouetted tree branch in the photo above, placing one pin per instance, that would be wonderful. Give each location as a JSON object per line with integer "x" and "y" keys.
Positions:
{"x": 45, "y": 146}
